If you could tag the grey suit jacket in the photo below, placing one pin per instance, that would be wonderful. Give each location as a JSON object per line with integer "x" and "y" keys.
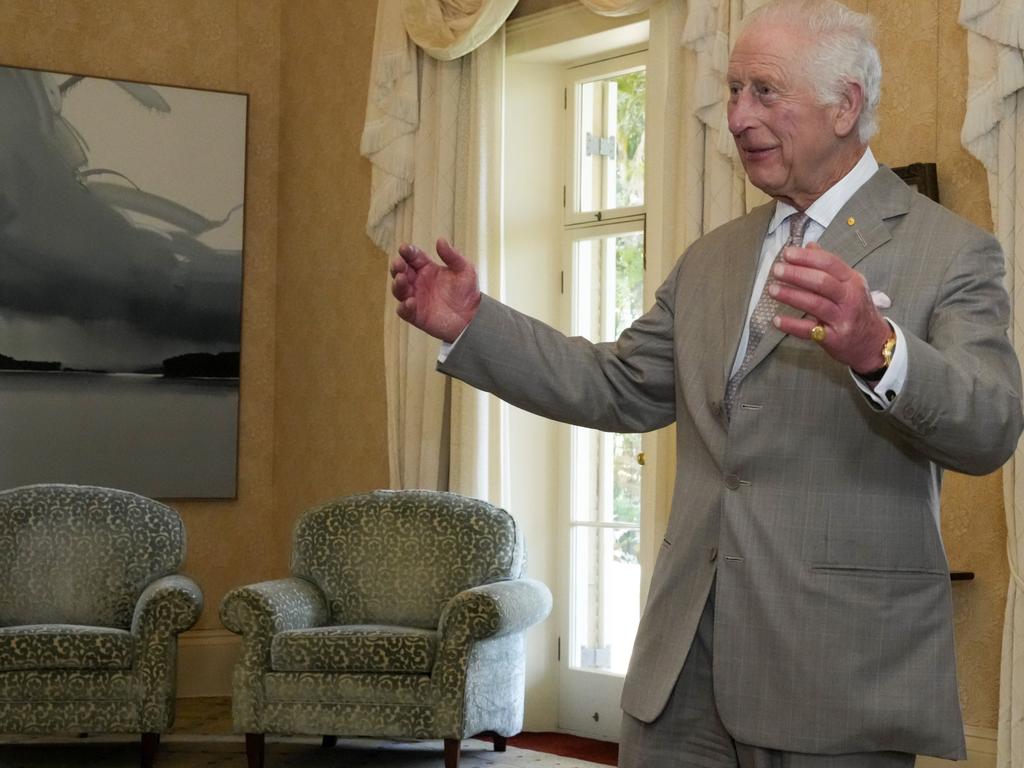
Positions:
{"x": 833, "y": 614}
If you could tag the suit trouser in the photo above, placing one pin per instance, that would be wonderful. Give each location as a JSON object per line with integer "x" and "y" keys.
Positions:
{"x": 690, "y": 734}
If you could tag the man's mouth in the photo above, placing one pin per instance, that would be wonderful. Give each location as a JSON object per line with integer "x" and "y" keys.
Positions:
{"x": 755, "y": 153}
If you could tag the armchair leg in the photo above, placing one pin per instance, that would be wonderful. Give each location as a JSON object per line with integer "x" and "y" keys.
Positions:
{"x": 500, "y": 742}
{"x": 329, "y": 742}
{"x": 254, "y": 749}
{"x": 150, "y": 741}
{"x": 451, "y": 753}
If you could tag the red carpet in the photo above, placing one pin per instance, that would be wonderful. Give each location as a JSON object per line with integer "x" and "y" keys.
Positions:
{"x": 591, "y": 750}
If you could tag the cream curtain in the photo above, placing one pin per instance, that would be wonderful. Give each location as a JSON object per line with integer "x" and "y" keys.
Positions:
{"x": 430, "y": 136}
{"x": 993, "y": 131}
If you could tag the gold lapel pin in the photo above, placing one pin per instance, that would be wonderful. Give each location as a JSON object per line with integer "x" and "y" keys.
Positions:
{"x": 851, "y": 221}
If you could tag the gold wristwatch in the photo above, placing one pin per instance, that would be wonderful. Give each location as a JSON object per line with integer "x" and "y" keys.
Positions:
{"x": 887, "y": 349}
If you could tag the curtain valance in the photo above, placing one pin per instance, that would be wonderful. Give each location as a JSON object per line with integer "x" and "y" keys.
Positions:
{"x": 449, "y": 29}
{"x": 617, "y": 7}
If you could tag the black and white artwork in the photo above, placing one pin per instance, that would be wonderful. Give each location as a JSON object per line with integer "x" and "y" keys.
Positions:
{"x": 121, "y": 211}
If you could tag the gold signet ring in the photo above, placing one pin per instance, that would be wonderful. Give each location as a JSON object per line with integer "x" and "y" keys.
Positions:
{"x": 818, "y": 333}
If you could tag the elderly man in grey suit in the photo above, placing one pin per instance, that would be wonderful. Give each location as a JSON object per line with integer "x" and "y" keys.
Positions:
{"x": 799, "y": 613}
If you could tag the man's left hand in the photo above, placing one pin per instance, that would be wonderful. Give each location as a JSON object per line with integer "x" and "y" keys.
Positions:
{"x": 835, "y": 296}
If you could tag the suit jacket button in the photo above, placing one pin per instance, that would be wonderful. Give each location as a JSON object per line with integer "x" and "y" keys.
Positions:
{"x": 712, "y": 554}
{"x": 732, "y": 482}
{"x": 716, "y": 408}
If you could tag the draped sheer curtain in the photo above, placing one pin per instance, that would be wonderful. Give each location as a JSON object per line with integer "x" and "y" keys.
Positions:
{"x": 993, "y": 131}
{"x": 433, "y": 136}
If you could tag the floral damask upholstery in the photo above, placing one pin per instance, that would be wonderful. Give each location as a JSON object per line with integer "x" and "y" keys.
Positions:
{"x": 90, "y": 608}
{"x": 404, "y": 617}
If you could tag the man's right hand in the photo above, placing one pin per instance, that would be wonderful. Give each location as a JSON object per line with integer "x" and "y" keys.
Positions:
{"x": 438, "y": 299}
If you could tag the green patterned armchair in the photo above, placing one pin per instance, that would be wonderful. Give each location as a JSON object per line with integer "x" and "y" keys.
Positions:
{"x": 404, "y": 617}
{"x": 90, "y": 607}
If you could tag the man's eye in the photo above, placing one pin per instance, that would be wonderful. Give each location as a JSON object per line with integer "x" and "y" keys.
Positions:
{"x": 764, "y": 90}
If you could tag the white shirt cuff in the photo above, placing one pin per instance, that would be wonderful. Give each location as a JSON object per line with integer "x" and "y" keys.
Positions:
{"x": 448, "y": 346}
{"x": 891, "y": 384}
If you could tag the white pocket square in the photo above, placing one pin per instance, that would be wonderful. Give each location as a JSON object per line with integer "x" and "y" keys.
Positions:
{"x": 880, "y": 300}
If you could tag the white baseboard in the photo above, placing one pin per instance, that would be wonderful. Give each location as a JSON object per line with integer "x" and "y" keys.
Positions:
{"x": 205, "y": 660}
{"x": 981, "y": 751}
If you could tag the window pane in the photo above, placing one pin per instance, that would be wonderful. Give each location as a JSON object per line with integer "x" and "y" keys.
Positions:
{"x": 606, "y": 598}
{"x": 631, "y": 96}
{"x": 608, "y": 285}
{"x": 610, "y": 142}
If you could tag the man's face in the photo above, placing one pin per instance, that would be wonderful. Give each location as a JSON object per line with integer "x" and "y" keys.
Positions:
{"x": 791, "y": 148}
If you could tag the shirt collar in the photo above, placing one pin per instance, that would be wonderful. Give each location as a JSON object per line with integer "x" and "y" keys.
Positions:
{"x": 825, "y": 208}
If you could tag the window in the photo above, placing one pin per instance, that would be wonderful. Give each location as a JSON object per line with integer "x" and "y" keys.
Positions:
{"x": 573, "y": 237}
{"x": 604, "y": 230}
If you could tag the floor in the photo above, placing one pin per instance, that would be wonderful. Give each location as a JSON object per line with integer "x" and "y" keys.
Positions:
{"x": 202, "y": 737}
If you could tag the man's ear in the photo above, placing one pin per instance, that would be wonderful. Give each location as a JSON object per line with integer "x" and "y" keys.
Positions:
{"x": 849, "y": 108}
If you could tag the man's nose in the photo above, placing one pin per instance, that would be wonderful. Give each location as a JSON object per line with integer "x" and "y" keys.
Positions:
{"x": 740, "y": 112}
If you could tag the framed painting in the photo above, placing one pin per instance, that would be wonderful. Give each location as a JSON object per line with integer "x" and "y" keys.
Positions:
{"x": 121, "y": 221}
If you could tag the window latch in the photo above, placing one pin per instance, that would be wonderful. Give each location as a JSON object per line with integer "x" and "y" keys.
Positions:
{"x": 604, "y": 146}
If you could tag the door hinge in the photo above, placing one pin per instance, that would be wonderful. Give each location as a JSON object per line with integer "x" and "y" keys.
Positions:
{"x": 559, "y": 651}
{"x": 561, "y": 290}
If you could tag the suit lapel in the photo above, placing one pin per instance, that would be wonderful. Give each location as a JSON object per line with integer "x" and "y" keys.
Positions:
{"x": 884, "y": 196}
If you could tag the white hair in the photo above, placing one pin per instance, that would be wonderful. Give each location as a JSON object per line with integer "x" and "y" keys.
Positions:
{"x": 843, "y": 51}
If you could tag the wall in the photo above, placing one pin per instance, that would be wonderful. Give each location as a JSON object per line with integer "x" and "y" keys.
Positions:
{"x": 312, "y": 414}
{"x": 330, "y": 425}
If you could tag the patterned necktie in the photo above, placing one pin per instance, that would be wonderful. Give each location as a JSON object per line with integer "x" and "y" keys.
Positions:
{"x": 764, "y": 311}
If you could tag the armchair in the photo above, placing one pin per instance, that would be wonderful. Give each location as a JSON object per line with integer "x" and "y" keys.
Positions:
{"x": 90, "y": 607}
{"x": 404, "y": 617}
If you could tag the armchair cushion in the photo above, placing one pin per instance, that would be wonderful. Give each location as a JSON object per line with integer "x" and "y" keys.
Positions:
{"x": 81, "y": 554}
{"x": 355, "y": 648}
{"x": 65, "y": 646}
{"x": 396, "y": 557}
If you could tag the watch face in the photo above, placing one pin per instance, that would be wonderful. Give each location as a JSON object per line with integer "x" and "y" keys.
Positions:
{"x": 887, "y": 350}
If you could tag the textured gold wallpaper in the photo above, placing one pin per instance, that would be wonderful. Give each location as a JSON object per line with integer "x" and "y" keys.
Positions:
{"x": 312, "y": 410}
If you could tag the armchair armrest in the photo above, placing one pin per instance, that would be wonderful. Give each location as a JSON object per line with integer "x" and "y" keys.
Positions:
{"x": 259, "y": 611}
{"x": 497, "y": 609}
{"x": 480, "y": 657}
{"x": 166, "y": 608}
